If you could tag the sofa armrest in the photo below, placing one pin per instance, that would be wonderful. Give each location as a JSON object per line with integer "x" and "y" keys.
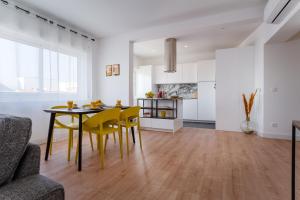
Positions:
{"x": 32, "y": 187}
{"x": 30, "y": 162}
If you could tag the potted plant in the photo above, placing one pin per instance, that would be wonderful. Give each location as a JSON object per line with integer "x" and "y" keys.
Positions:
{"x": 247, "y": 125}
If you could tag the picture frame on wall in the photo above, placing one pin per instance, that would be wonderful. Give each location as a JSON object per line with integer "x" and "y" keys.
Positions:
{"x": 116, "y": 69}
{"x": 108, "y": 70}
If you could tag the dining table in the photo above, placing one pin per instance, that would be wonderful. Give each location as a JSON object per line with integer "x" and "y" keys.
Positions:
{"x": 79, "y": 112}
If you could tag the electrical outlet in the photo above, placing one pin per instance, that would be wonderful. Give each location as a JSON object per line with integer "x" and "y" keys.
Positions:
{"x": 275, "y": 89}
{"x": 274, "y": 124}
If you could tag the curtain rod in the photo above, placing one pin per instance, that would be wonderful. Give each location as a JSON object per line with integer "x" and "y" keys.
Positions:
{"x": 50, "y": 21}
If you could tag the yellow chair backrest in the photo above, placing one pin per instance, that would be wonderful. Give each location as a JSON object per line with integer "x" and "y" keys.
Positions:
{"x": 59, "y": 115}
{"x": 130, "y": 113}
{"x": 110, "y": 115}
{"x": 86, "y": 106}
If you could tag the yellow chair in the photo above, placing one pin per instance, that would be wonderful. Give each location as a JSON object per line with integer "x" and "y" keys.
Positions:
{"x": 71, "y": 126}
{"x": 102, "y": 124}
{"x": 130, "y": 117}
{"x": 86, "y": 106}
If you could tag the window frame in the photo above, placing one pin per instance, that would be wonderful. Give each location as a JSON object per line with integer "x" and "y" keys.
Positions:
{"x": 41, "y": 94}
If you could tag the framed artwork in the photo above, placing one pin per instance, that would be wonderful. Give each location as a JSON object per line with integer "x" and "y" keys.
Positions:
{"x": 116, "y": 69}
{"x": 108, "y": 70}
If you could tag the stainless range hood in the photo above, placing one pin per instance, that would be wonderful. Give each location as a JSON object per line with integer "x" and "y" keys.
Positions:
{"x": 170, "y": 55}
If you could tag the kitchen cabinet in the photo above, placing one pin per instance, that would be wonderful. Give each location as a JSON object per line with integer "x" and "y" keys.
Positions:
{"x": 185, "y": 73}
{"x": 160, "y": 77}
{"x": 206, "y": 70}
{"x": 190, "y": 109}
{"x": 206, "y": 101}
{"x": 189, "y": 73}
{"x": 174, "y": 77}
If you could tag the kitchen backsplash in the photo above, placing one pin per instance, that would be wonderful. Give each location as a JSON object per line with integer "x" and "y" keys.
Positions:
{"x": 185, "y": 90}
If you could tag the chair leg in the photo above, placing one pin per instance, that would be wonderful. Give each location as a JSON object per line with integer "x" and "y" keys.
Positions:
{"x": 140, "y": 136}
{"x": 121, "y": 143}
{"x": 114, "y": 137}
{"x": 91, "y": 141}
{"x": 127, "y": 141}
{"x": 101, "y": 152}
{"x": 105, "y": 143}
{"x": 70, "y": 144}
{"x": 98, "y": 141}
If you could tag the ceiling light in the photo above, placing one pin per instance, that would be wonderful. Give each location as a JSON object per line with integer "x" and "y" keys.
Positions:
{"x": 185, "y": 46}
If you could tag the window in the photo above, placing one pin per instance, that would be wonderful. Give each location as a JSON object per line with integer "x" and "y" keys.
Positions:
{"x": 18, "y": 67}
{"x": 143, "y": 81}
{"x": 28, "y": 69}
{"x": 59, "y": 72}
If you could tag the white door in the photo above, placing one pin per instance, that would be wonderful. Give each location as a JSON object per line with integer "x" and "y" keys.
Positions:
{"x": 206, "y": 101}
{"x": 189, "y": 109}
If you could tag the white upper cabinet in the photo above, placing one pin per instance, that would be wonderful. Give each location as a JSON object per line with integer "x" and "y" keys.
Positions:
{"x": 206, "y": 70}
{"x": 160, "y": 76}
{"x": 175, "y": 77}
{"x": 189, "y": 73}
{"x": 185, "y": 73}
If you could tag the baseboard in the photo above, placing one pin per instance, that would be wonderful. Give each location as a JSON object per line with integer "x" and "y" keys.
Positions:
{"x": 279, "y": 136}
{"x": 158, "y": 130}
{"x": 199, "y": 121}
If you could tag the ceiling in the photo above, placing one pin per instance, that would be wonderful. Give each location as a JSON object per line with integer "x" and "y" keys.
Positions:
{"x": 111, "y": 17}
{"x": 201, "y": 25}
{"x": 201, "y": 45}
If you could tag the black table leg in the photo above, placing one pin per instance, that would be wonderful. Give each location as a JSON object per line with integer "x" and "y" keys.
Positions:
{"x": 293, "y": 163}
{"x": 50, "y": 134}
{"x": 133, "y": 137}
{"x": 80, "y": 142}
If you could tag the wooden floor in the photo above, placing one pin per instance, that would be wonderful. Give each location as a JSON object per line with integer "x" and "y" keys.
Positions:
{"x": 193, "y": 164}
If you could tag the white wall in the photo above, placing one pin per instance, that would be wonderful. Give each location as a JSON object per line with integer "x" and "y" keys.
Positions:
{"x": 234, "y": 76}
{"x": 264, "y": 33}
{"x": 115, "y": 50}
{"x": 282, "y": 72}
{"x": 40, "y": 119}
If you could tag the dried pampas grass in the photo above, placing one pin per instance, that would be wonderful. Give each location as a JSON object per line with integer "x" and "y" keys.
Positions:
{"x": 248, "y": 104}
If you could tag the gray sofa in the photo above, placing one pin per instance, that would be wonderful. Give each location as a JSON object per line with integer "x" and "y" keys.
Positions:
{"x": 20, "y": 164}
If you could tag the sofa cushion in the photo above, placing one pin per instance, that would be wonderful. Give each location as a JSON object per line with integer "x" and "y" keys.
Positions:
{"x": 35, "y": 187}
{"x": 15, "y": 133}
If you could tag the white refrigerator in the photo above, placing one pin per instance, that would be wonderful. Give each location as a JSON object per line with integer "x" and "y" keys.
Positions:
{"x": 206, "y": 101}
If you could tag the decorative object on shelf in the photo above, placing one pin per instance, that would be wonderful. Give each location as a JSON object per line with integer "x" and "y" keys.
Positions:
{"x": 118, "y": 104}
{"x": 108, "y": 70}
{"x": 163, "y": 114}
{"x": 116, "y": 69}
{"x": 248, "y": 126}
{"x": 149, "y": 94}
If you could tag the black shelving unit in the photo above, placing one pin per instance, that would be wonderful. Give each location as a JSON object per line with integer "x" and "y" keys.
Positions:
{"x": 154, "y": 107}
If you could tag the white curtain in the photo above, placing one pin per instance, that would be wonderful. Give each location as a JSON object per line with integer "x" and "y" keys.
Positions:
{"x": 43, "y": 51}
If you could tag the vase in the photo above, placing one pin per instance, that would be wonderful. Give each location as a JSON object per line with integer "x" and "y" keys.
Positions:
{"x": 248, "y": 126}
